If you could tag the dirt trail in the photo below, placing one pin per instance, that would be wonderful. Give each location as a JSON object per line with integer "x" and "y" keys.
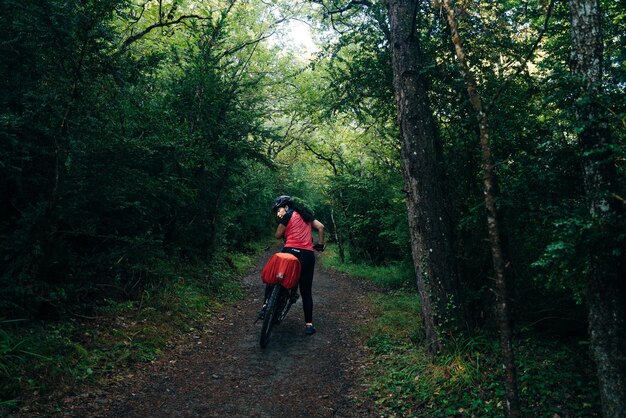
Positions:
{"x": 222, "y": 371}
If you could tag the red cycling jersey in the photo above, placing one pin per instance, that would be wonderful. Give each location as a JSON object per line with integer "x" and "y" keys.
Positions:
{"x": 298, "y": 233}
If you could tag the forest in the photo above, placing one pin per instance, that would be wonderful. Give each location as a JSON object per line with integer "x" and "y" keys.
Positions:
{"x": 473, "y": 148}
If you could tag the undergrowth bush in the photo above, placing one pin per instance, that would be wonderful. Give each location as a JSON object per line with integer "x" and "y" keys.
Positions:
{"x": 556, "y": 378}
{"x": 39, "y": 359}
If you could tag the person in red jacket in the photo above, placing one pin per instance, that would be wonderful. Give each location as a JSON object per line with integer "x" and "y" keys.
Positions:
{"x": 295, "y": 228}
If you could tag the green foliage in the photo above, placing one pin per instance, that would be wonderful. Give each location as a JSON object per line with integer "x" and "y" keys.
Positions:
{"x": 563, "y": 260}
{"x": 466, "y": 380}
{"x": 541, "y": 200}
{"x": 373, "y": 216}
{"x": 394, "y": 275}
{"x": 359, "y": 68}
{"x": 121, "y": 162}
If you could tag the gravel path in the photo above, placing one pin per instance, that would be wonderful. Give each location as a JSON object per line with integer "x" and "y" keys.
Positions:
{"x": 222, "y": 372}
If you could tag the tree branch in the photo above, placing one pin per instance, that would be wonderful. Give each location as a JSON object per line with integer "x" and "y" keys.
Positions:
{"x": 351, "y": 4}
{"x": 329, "y": 159}
{"x": 159, "y": 24}
{"x": 247, "y": 43}
{"x": 331, "y": 12}
{"x": 275, "y": 147}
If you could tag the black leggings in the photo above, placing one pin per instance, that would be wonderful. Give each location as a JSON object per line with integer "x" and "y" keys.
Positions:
{"x": 307, "y": 262}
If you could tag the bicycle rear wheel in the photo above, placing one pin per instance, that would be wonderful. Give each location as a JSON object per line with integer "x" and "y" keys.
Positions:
{"x": 271, "y": 314}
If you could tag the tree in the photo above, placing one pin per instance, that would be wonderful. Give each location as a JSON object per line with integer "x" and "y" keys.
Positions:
{"x": 493, "y": 224}
{"x": 428, "y": 223}
{"x": 606, "y": 287}
{"x": 127, "y": 154}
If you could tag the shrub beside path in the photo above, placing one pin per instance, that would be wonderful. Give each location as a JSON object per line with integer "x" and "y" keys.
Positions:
{"x": 221, "y": 371}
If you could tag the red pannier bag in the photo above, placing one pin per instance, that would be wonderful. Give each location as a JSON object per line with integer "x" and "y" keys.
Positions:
{"x": 283, "y": 268}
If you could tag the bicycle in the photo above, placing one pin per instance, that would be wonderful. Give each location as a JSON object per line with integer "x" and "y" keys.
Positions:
{"x": 277, "y": 307}
{"x": 282, "y": 273}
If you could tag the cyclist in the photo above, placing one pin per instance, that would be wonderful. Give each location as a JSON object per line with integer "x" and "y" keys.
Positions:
{"x": 295, "y": 228}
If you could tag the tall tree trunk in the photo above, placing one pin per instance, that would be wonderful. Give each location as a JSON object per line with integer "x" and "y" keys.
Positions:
{"x": 606, "y": 288}
{"x": 430, "y": 232}
{"x": 489, "y": 181}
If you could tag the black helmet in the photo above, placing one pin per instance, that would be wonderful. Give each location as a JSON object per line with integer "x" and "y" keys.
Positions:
{"x": 280, "y": 202}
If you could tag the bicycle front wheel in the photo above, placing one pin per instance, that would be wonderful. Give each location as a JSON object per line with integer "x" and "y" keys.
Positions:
{"x": 270, "y": 316}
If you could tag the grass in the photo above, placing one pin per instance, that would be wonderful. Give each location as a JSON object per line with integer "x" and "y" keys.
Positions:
{"x": 46, "y": 360}
{"x": 555, "y": 378}
{"x": 392, "y": 276}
